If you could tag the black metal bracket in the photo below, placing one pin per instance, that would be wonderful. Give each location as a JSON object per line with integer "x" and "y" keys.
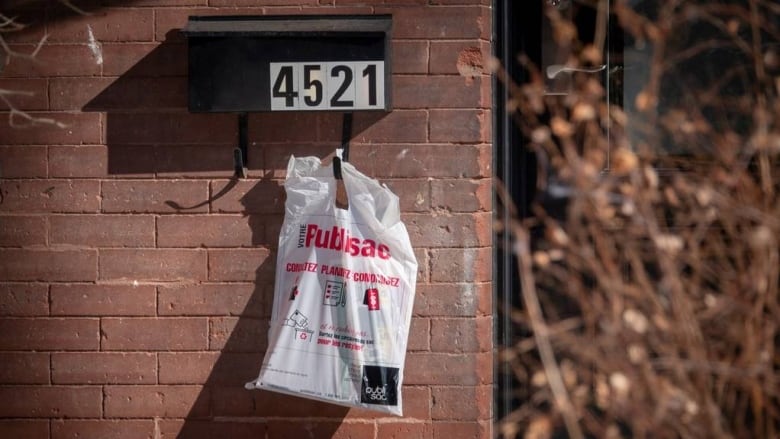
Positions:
{"x": 241, "y": 153}
{"x": 346, "y": 136}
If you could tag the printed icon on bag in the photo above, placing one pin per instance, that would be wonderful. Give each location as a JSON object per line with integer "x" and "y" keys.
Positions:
{"x": 297, "y": 320}
{"x": 380, "y": 385}
{"x": 294, "y": 290}
{"x": 300, "y": 323}
{"x": 371, "y": 299}
{"x": 335, "y": 294}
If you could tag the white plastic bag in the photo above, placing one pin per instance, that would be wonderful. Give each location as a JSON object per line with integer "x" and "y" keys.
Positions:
{"x": 345, "y": 282}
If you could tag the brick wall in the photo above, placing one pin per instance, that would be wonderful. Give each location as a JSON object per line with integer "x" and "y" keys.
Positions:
{"x": 126, "y": 314}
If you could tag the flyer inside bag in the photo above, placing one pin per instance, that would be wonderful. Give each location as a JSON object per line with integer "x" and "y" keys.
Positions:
{"x": 344, "y": 290}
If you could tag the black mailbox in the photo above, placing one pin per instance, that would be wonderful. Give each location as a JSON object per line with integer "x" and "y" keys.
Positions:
{"x": 289, "y": 63}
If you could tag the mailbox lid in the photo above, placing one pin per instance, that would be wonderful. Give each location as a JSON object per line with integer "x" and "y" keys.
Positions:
{"x": 286, "y": 25}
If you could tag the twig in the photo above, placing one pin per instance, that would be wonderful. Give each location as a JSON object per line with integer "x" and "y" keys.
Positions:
{"x": 541, "y": 333}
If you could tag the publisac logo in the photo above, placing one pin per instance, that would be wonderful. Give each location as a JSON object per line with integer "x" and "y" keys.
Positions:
{"x": 339, "y": 239}
{"x": 380, "y": 385}
{"x": 377, "y": 393}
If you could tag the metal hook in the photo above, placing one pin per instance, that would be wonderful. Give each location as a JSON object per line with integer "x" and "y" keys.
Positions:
{"x": 346, "y": 135}
{"x": 241, "y": 154}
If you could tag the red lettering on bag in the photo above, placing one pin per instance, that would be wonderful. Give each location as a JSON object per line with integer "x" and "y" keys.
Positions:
{"x": 338, "y": 239}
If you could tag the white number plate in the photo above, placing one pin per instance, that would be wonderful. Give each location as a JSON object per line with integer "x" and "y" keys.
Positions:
{"x": 348, "y": 85}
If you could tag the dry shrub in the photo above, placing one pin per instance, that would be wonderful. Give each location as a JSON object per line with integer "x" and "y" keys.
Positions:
{"x": 651, "y": 304}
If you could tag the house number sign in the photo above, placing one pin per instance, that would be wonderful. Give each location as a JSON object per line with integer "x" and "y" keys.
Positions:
{"x": 339, "y": 85}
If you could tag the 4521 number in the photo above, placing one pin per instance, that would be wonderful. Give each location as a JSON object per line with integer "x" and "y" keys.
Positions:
{"x": 348, "y": 85}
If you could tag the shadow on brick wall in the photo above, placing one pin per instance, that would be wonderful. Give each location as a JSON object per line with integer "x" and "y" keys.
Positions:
{"x": 224, "y": 408}
{"x": 149, "y": 131}
{"x": 151, "y": 135}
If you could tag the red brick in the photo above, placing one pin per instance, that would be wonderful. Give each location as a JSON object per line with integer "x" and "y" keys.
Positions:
{"x": 85, "y": 161}
{"x": 22, "y": 231}
{"x": 139, "y": 3}
{"x": 453, "y": 300}
{"x": 171, "y": 128}
{"x": 238, "y": 334}
{"x": 102, "y": 428}
{"x": 102, "y": 230}
{"x": 22, "y": 161}
{"x": 73, "y": 129}
{"x": 213, "y": 368}
{"x": 187, "y": 367}
{"x": 416, "y": 405}
{"x": 460, "y": 126}
{"x": 249, "y": 196}
{"x": 399, "y": 126}
{"x": 449, "y": 230}
{"x": 24, "y": 299}
{"x": 241, "y": 265}
{"x": 107, "y": 94}
{"x": 53, "y": 60}
{"x": 134, "y": 161}
{"x": 190, "y": 161}
{"x": 460, "y": 2}
{"x": 332, "y": 430}
{"x": 379, "y": 2}
{"x": 49, "y": 334}
{"x": 154, "y": 334}
{"x": 246, "y": 299}
{"x": 423, "y": 265}
{"x": 404, "y": 430}
{"x": 237, "y": 401}
{"x": 144, "y": 59}
{"x": 423, "y": 368}
{"x": 465, "y": 58}
{"x": 420, "y": 161}
{"x": 154, "y": 196}
{"x": 152, "y": 264}
{"x": 410, "y": 57}
{"x": 156, "y": 401}
{"x": 169, "y": 21}
{"x": 27, "y": 429}
{"x": 195, "y": 429}
{"x": 119, "y": 58}
{"x": 219, "y": 3}
{"x": 462, "y": 430}
{"x": 49, "y": 196}
{"x": 461, "y": 335}
{"x": 364, "y": 9}
{"x": 436, "y": 22}
{"x": 50, "y": 402}
{"x": 103, "y": 368}
{"x": 106, "y": 24}
{"x": 204, "y": 231}
{"x": 24, "y": 368}
{"x": 419, "y": 335}
{"x": 285, "y": 127}
{"x": 27, "y": 94}
{"x": 413, "y": 195}
{"x": 273, "y": 226}
{"x": 102, "y": 300}
{"x": 461, "y": 403}
{"x": 75, "y": 93}
{"x": 462, "y": 265}
{"x": 419, "y": 91}
{"x": 48, "y": 265}
{"x": 462, "y": 195}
